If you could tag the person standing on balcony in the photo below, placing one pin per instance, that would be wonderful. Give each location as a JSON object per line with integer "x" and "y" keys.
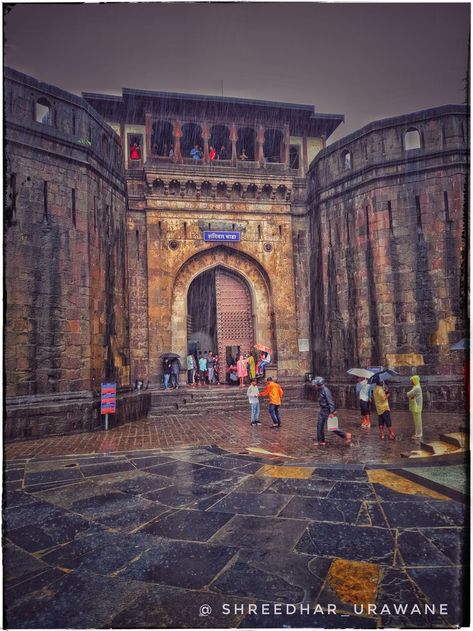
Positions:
{"x": 135, "y": 152}
{"x": 222, "y": 154}
{"x": 195, "y": 153}
{"x": 243, "y": 155}
{"x": 212, "y": 153}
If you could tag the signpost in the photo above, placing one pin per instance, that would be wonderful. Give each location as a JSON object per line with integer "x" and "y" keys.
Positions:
{"x": 215, "y": 235}
{"x": 108, "y": 400}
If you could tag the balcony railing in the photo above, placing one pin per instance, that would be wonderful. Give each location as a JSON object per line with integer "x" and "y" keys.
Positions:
{"x": 164, "y": 163}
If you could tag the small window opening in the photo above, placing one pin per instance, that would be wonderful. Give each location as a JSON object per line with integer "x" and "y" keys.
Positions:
{"x": 43, "y": 112}
{"x": 280, "y": 231}
{"x": 346, "y": 160}
{"x": 137, "y": 234}
{"x": 259, "y": 231}
{"x": 411, "y": 139}
{"x": 185, "y": 230}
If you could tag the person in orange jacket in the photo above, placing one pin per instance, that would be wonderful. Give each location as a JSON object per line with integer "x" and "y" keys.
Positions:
{"x": 274, "y": 391}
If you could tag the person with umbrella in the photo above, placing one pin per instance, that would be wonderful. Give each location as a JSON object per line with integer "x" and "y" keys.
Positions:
{"x": 166, "y": 372}
{"x": 327, "y": 410}
{"x": 364, "y": 395}
{"x": 175, "y": 370}
{"x": 381, "y": 402}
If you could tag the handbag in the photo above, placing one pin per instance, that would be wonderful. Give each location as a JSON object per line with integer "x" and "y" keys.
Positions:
{"x": 332, "y": 423}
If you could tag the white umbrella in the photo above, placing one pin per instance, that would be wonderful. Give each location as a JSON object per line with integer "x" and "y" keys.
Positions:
{"x": 360, "y": 372}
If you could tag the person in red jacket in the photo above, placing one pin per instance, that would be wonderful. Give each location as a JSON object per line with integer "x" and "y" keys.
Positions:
{"x": 135, "y": 152}
{"x": 274, "y": 391}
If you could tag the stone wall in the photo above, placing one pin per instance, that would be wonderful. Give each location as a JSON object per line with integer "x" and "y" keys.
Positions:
{"x": 386, "y": 240}
{"x": 66, "y": 320}
{"x": 67, "y": 415}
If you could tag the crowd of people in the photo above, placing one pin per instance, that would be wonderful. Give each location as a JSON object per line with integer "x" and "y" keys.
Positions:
{"x": 203, "y": 369}
{"x": 196, "y": 152}
{"x": 376, "y": 393}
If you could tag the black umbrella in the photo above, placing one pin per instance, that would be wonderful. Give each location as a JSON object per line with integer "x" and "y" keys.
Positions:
{"x": 169, "y": 356}
{"x": 383, "y": 375}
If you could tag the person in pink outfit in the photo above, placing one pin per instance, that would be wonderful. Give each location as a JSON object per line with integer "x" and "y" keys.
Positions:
{"x": 242, "y": 369}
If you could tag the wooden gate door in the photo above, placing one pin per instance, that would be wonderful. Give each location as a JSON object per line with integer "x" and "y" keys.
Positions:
{"x": 234, "y": 316}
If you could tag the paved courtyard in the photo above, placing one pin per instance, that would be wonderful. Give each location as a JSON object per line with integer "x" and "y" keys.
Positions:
{"x": 157, "y": 530}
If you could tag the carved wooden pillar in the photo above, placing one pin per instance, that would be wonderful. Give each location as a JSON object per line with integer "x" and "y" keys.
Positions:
{"x": 233, "y": 140}
{"x": 259, "y": 157}
{"x": 206, "y": 138}
{"x": 177, "y": 133}
{"x": 148, "y": 132}
{"x": 286, "y": 145}
{"x": 305, "y": 157}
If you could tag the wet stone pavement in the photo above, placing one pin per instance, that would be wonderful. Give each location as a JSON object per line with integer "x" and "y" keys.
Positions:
{"x": 205, "y": 537}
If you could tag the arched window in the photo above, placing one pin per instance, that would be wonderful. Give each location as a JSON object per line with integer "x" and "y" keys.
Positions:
{"x": 220, "y": 140}
{"x": 412, "y": 139}
{"x": 246, "y": 143}
{"x": 190, "y": 188}
{"x": 281, "y": 192}
{"x": 273, "y": 145}
{"x": 221, "y": 189}
{"x": 191, "y": 139}
{"x": 162, "y": 139}
{"x": 346, "y": 160}
{"x": 251, "y": 191}
{"x": 158, "y": 187}
{"x": 236, "y": 191}
{"x": 43, "y": 112}
{"x": 266, "y": 191}
{"x": 174, "y": 187}
{"x": 206, "y": 189}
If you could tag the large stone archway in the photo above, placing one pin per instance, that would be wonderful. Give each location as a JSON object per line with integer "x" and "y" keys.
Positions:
{"x": 237, "y": 262}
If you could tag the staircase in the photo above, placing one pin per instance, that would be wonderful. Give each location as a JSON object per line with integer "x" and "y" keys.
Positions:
{"x": 454, "y": 443}
{"x": 205, "y": 400}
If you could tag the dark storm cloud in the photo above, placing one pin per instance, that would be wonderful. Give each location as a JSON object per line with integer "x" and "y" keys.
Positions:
{"x": 366, "y": 61}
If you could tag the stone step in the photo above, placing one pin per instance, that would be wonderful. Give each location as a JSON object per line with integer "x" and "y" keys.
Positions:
{"x": 438, "y": 447}
{"x": 194, "y": 408}
{"x": 458, "y": 439}
{"x": 417, "y": 453}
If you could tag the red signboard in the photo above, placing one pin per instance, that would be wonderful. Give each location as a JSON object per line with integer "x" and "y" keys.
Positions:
{"x": 108, "y": 398}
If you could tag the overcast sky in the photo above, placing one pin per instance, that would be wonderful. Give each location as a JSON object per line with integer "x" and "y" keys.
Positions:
{"x": 366, "y": 61}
